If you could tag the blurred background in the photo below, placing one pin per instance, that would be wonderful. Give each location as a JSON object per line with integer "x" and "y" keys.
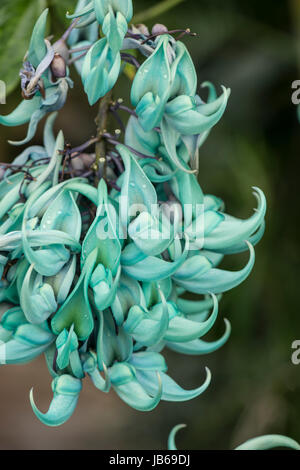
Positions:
{"x": 253, "y": 47}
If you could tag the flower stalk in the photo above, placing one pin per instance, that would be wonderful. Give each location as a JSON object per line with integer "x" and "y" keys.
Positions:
{"x": 100, "y": 165}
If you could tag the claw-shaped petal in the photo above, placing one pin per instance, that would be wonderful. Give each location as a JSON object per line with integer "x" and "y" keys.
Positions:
{"x": 27, "y": 342}
{"x": 269, "y": 442}
{"x": 182, "y": 329}
{"x": 155, "y": 268}
{"x": 218, "y": 280}
{"x": 131, "y": 391}
{"x": 37, "y": 298}
{"x": 171, "y": 390}
{"x": 231, "y": 231}
{"x": 199, "y": 346}
{"x": 66, "y": 390}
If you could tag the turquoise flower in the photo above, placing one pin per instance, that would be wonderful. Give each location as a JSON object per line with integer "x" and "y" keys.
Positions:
{"x": 164, "y": 94}
{"x": 100, "y": 70}
{"x": 177, "y": 144}
{"x": 111, "y": 315}
{"x": 166, "y": 83}
{"x": 96, "y": 269}
{"x": 257, "y": 443}
{"x": 20, "y": 340}
{"x": 66, "y": 390}
{"x": 112, "y": 15}
{"x": 42, "y": 94}
{"x": 89, "y": 33}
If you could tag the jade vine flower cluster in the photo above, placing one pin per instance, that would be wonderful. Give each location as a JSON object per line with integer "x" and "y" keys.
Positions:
{"x": 96, "y": 259}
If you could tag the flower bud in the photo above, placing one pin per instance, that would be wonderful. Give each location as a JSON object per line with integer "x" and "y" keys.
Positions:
{"x": 159, "y": 29}
{"x": 61, "y": 48}
{"x": 142, "y": 28}
{"x": 58, "y": 66}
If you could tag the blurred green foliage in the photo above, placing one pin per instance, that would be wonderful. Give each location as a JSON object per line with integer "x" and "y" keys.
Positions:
{"x": 16, "y": 25}
{"x": 250, "y": 46}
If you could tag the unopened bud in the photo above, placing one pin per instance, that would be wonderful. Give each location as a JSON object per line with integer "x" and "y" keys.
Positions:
{"x": 142, "y": 28}
{"x": 58, "y": 66}
{"x": 61, "y": 48}
{"x": 159, "y": 29}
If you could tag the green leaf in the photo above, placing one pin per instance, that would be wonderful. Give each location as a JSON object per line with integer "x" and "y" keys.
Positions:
{"x": 17, "y": 20}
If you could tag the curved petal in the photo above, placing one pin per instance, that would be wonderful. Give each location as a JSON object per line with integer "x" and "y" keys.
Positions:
{"x": 114, "y": 27}
{"x": 131, "y": 391}
{"x": 55, "y": 99}
{"x": 155, "y": 269}
{"x": 129, "y": 293}
{"x": 104, "y": 289}
{"x": 90, "y": 367}
{"x": 63, "y": 215}
{"x": 22, "y": 114}
{"x": 182, "y": 329}
{"x": 253, "y": 239}
{"x": 172, "y": 435}
{"x": 37, "y": 298}
{"x": 171, "y": 390}
{"x": 170, "y": 137}
{"x": 62, "y": 281}
{"x": 102, "y": 8}
{"x": 187, "y": 118}
{"x": 151, "y": 235}
{"x": 195, "y": 266}
{"x": 82, "y": 12}
{"x": 183, "y": 72}
{"x": 218, "y": 280}
{"x": 66, "y": 390}
{"x": 131, "y": 254}
{"x": 12, "y": 196}
{"x": 269, "y": 442}
{"x": 38, "y": 205}
{"x": 48, "y": 137}
{"x": 200, "y": 347}
{"x": 148, "y": 360}
{"x": 190, "y": 307}
{"x": 113, "y": 344}
{"x": 144, "y": 328}
{"x": 232, "y": 231}
{"x": 144, "y": 142}
{"x": 28, "y": 342}
{"x": 157, "y": 171}
{"x": 151, "y": 105}
{"x": 12, "y": 319}
{"x": 66, "y": 343}
{"x": 13, "y": 241}
{"x": 100, "y": 70}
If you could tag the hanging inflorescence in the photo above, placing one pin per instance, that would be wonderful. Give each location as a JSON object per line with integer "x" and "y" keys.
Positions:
{"x": 98, "y": 250}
